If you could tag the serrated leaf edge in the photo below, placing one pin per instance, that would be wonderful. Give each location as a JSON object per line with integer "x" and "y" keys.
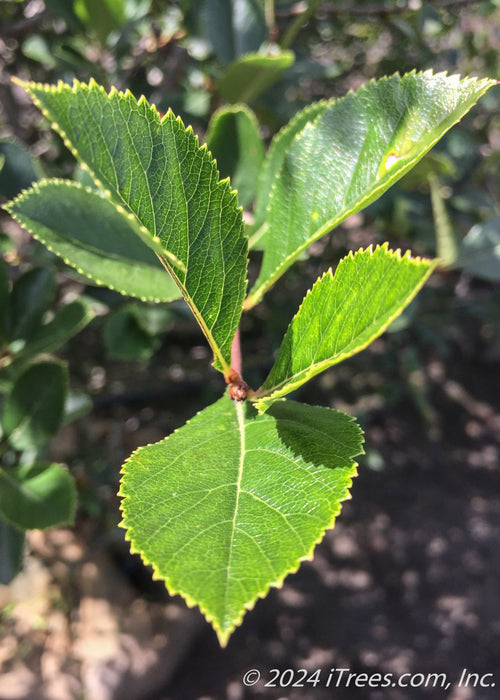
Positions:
{"x": 224, "y": 635}
{"x": 257, "y": 293}
{"x": 264, "y": 400}
{"x": 29, "y": 86}
{"x": 132, "y": 220}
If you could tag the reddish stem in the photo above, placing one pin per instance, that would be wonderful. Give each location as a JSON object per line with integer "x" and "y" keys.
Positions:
{"x": 236, "y": 353}
{"x": 238, "y": 388}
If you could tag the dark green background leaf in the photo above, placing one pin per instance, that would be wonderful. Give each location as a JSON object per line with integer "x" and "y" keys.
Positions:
{"x": 68, "y": 320}
{"x": 246, "y": 79}
{"x": 37, "y": 496}
{"x": 33, "y": 409}
{"x": 233, "y": 27}
{"x": 11, "y": 551}
{"x": 33, "y": 293}
{"x": 235, "y": 142}
{"x": 125, "y": 339}
{"x": 19, "y": 170}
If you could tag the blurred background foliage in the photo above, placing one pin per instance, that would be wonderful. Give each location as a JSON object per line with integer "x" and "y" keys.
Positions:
{"x": 237, "y": 70}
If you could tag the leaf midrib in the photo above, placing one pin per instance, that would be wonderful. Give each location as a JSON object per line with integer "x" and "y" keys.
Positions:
{"x": 240, "y": 417}
{"x": 21, "y": 487}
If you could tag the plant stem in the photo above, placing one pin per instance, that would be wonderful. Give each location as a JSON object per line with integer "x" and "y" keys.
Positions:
{"x": 236, "y": 353}
{"x": 298, "y": 23}
{"x": 269, "y": 15}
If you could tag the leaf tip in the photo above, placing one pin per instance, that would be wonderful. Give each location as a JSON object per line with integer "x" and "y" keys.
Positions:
{"x": 18, "y": 81}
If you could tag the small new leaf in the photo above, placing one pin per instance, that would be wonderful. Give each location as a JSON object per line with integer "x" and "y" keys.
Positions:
{"x": 342, "y": 314}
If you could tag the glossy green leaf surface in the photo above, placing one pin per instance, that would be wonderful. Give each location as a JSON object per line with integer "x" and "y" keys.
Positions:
{"x": 68, "y": 320}
{"x": 342, "y": 314}
{"x": 353, "y": 152}
{"x": 235, "y": 142}
{"x": 94, "y": 236}
{"x": 125, "y": 339}
{"x": 4, "y": 300}
{"x": 230, "y": 503}
{"x": 33, "y": 410}
{"x": 233, "y": 27}
{"x": 274, "y": 160}
{"x": 37, "y": 496}
{"x": 253, "y": 74}
{"x": 155, "y": 168}
{"x": 32, "y": 295}
{"x": 19, "y": 169}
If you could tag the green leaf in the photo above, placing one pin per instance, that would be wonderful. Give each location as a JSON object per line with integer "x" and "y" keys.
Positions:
{"x": 19, "y": 170}
{"x": 94, "y": 236}
{"x": 11, "y": 552}
{"x": 67, "y": 322}
{"x": 252, "y": 75}
{"x": 33, "y": 409}
{"x": 103, "y": 16}
{"x": 234, "y": 140}
{"x": 38, "y": 49}
{"x": 4, "y": 301}
{"x": 33, "y": 293}
{"x": 480, "y": 250}
{"x": 64, "y": 10}
{"x": 37, "y": 496}
{"x": 353, "y": 152}
{"x": 342, "y": 314}
{"x": 155, "y": 167}
{"x": 232, "y": 502}
{"x": 233, "y": 27}
{"x": 125, "y": 339}
{"x": 152, "y": 318}
{"x": 275, "y": 158}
